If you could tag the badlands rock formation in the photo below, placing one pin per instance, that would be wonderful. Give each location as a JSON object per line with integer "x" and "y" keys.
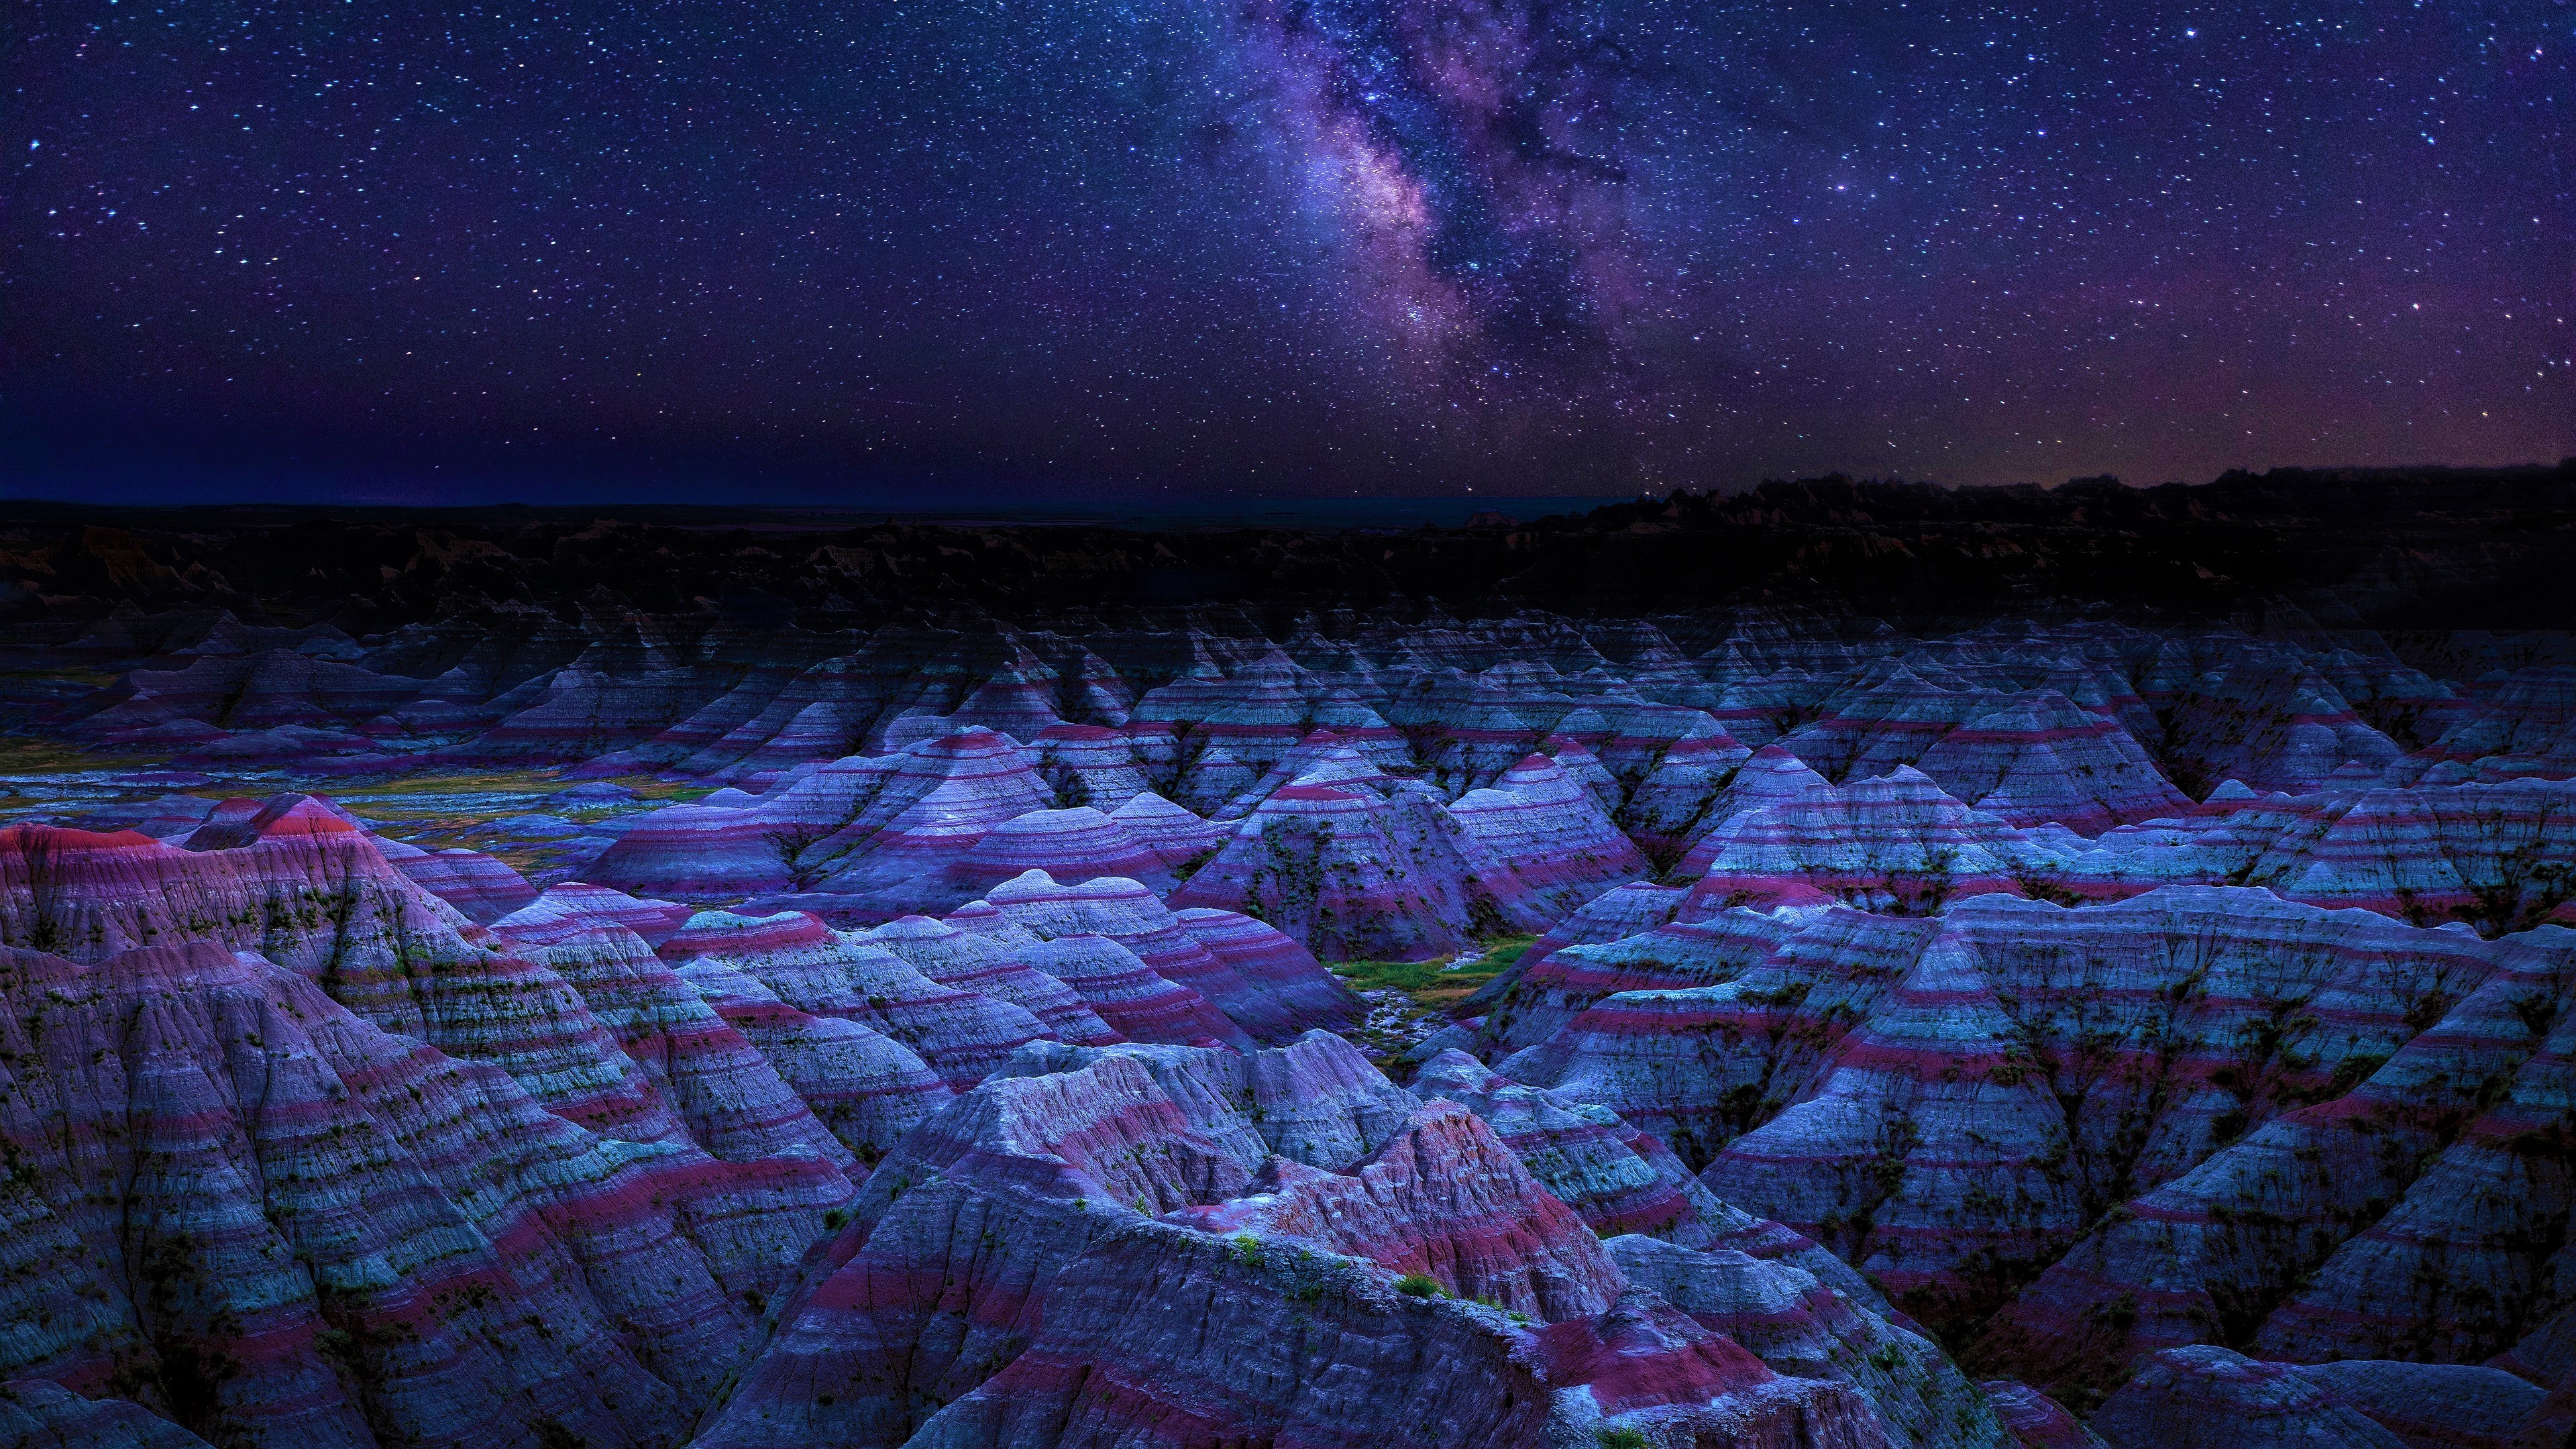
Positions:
{"x": 891, "y": 991}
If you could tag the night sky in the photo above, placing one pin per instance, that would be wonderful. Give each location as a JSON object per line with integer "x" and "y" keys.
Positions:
{"x": 1295, "y": 246}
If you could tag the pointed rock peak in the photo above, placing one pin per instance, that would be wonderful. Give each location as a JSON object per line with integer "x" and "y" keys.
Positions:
{"x": 1452, "y": 1073}
{"x": 2021, "y": 716}
{"x": 1028, "y": 885}
{"x": 710, "y": 933}
{"x": 1146, "y": 807}
{"x": 1903, "y": 783}
{"x": 971, "y": 740}
{"x": 60, "y": 839}
{"x": 2230, "y": 791}
{"x": 1881, "y": 673}
{"x": 2351, "y": 773}
{"x": 2180, "y": 1394}
{"x": 2036, "y": 1420}
{"x": 2317, "y": 699}
{"x": 1338, "y": 765}
{"x": 916, "y": 928}
{"x": 1778, "y": 758}
{"x": 1035, "y": 886}
{"x": 654, "y": 920}
{"x": 194, "y": 964}
{"x": 1304, "y": 796}
{"x": 1072, "y": 820}
{"x": 1693, "y": 747}
{"x": 241, "y": 822}
{"x": 548, "y": 922}
{"x": 1022, "y": 666}
{"x": 1063, "y": 733}
{"x": 1083, "y": 956}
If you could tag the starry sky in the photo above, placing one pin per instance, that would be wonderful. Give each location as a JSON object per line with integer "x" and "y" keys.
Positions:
{"x": 720, "y": 249}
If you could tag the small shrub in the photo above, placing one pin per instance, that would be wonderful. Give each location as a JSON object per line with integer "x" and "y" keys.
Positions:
{"x": 1420, "y": 1285}
{"x": 1622, "y": 1438}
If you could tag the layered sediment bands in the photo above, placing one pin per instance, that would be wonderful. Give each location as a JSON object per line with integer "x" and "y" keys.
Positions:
{"x": 960, "y": 1035}
{"x": 2526, "y": 726}
{"x": 1801, "y": 1327}
{"x": 1020, "y": 1290}
{"x": 1316, "y": 1102}
{"x": 1072, "y": 845}
{"x": 991, "y": 961}
{"x": 1759, "y": 997}
{"x": 1180, "y": 840}
{"x": 1672, "y": 805}
{"x": 1629, "y": 910}
{"x": 1895, "y": 844}
{"x": 2262, "y": 715}
{"x": 295, "y": 882}
{"x": 1162, "y": 1336}
{"x": 1295, "y": 992}
{"x": 2175, "y": 1020}
{"x": 1264, "y": 982}
{"x": 2395, "y": 1217}
{"x": 863, "y": 1088}
{"x": 2489, "y": 856}
{"x": 269, "y": 1220}
{"x": 305, "y": 886}
{"x": 1543, "y": 841}
{"x": 1618, "y": 1179}
{"x": 1138, "y": 1004}
{"x": 873, "y": 833}
{"x": 2207, "y": 1397}
{"x": 1350, "y": 872}
{"x": 937, "y": 1281}
{"x": 2027, "y": 757}
{"x": 1952, "y": 1104}
{"x": 482, "y": 889}
{"x": 2043, "y": 760}
{"x": 1443, "y": 1198}
{"x": 2500, "y": 857}
{"x": 712, "y": 1081}
{"x": 2035, "y": 1420}
{"x": 653, "y": 920}
{"x": 1772, "y": 776}
{"x": 35, "y": 1414}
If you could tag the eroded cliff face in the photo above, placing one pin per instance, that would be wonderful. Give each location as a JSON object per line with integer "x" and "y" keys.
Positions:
{"x": 638, "y": 1028}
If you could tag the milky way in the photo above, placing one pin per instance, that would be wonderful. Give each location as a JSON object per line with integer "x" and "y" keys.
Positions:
{"x": 1372, "y": 245}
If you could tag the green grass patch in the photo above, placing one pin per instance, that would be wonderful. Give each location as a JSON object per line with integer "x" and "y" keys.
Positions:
{"x": 1432, "y": 982}
{"x": 28, "y": 755}
{"x": 1429, "y": 992}
{"x": 453, "y": 782}
{"x": 540, "y": 781}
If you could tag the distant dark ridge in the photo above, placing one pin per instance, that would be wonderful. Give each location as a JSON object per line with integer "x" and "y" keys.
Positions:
{"x": 2425, "y": 548}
